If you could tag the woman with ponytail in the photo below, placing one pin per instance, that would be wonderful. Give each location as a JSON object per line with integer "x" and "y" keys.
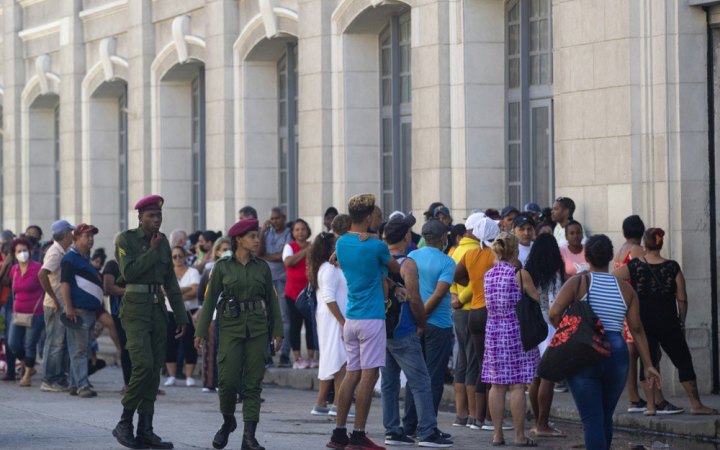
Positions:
{"x": 660, "y": 285}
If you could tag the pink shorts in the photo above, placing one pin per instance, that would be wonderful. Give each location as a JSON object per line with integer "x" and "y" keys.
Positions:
{"x": 365, "y": 343}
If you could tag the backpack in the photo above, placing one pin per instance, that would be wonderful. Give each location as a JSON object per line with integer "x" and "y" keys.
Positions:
{"x": 393, "y": 306}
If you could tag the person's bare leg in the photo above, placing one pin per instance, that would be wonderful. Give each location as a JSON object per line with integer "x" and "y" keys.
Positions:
{"x": 497, "y": 409}
{"x": 517, "y": 408}
{"x": 482, "y": 407}
{"x": 363, "y": 400}
{"x": 651, "y": 399}
{"x": 461, "y": 403}
{"x": 311, "y": 354}
{"x": 345, "y": 395}
{"x": 107, "y": 321}
{"x": 296, "y": 354}
{"x": 321, "y": 401}
{"x": 545, "y": 398}
{"x": 189, "y": 370}
{"x": 171, "y": 369}
{"x": 631, "y": 382}
{"x": 339, "y": 377}
{"x": 470, "y": 395}
{"x": 534, "y": 403}
{"x": 696, "y": 406}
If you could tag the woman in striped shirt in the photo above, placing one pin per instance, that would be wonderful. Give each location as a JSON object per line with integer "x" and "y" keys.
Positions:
{"x": 597, "y": 389}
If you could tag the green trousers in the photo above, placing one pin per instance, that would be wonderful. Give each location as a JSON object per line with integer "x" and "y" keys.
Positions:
{"x": 238, "y": 358}
{"x": 145, "y": 325}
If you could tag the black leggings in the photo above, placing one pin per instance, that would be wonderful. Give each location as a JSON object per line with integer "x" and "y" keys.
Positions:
{"x": 171, "y": 347}
{"x": 296, "y": 323}
{"x": 663, "y": 330}
{"x": 477, "y": 319}
{"x": 124, "y": 354}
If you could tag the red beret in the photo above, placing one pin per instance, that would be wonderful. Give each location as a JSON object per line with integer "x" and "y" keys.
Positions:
{"x": 243, "y": 227}
{"x": 149, "y": 202}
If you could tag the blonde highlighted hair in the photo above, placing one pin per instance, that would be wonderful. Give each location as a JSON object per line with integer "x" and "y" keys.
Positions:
{"x": 505, "y": 245}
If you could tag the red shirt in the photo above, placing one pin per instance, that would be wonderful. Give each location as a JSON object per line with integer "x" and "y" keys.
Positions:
{"x": 296, "y": 275}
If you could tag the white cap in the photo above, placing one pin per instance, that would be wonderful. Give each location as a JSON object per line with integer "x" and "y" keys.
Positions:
{"x": 483, "y": 228}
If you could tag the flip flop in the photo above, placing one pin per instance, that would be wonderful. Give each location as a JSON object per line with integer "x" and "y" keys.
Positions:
{"x": 528, "y": 443}
{"x": 498, "y": 443}
{"x": 554, "y": 433}
{"x": 714, "y": 412}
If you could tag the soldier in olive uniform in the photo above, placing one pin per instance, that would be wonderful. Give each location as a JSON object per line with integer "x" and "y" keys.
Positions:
{"x": 241, "y": 288}
{"x": 146, "y": 268}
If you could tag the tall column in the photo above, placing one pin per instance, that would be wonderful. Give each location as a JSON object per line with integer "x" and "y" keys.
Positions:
{"x": 315, "y": 164}
{"x": 13, "y": 84}
{"x": 220, "y": 118}
{"x": 140, "y": 53}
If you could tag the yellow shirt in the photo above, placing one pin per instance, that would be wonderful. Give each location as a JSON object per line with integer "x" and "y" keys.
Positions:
{"x": 464, "y": 293}
{"x": 478, "y": 262}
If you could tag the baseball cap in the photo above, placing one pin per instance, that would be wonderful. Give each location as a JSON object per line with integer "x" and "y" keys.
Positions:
{"x": 523, "y": 219}
{"x": 397, "y": 227}
{"x": 434, "y": 229}
{"x": 84, "y": 228}
{"x": 441, "y": 210}
{"x": 532, "y": 208}
{"x": 506, "y": 211}
{"x": 61, "y": 225}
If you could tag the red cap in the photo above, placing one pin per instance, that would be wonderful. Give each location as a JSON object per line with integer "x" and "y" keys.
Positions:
{"x": 149, "y": 202}
{"x": 243, "y": 227}
{"x": 84, "y": 228}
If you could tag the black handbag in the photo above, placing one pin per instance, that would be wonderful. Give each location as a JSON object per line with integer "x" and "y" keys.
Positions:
{"x": 533, "y": 329}
{"x": 579, "y": 341}
{"x": 306, "y": 302}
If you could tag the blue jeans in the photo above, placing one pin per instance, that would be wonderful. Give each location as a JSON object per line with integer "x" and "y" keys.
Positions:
{"x": 405, "y": 354}
{"x": 78, "y": 344}
{"x": 596, "y": 391}
{"x": 9, "y": 355}
{"x": 437, "y": 346}
{"x": 56, "y": 356}
{"x": 24, "y": 340}
{"x": 280, "y": 289}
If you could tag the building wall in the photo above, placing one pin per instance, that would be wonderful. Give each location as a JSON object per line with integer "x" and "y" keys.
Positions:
{"x": 630, "y": 111}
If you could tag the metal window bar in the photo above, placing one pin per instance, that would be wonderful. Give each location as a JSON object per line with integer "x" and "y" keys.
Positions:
{"x": 123, "y": 161}
{"x": 198, "y": 150}
{"x": 56, "y": 175}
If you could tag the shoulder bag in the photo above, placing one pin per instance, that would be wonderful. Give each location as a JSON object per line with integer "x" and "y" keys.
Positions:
{"x": 579, "y": 341}
{"x": 25, "y": 319}
{"x": 533, "y": 329}
{"x": 306, "y": 302}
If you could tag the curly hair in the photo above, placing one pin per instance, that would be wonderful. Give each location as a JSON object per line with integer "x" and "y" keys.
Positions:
{"x": 599, "y": 250}
{"x": 322, "y": 247}
{"x": 545, "y": 262}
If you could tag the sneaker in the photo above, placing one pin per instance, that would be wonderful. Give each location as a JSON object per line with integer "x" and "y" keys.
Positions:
{"x": 339, "y": 439}
{"x": 666, "y": 408}
{"x": 462, "y": 421}
{"x": 435, "y": 440}
{"x": 73, "y": 391}
{"x": 190, "y": 381}
{"x": 560, "y": 387}
{"x": 475, "y": 424}
{"x": 86, "y": 392}
{"x": 490, "y": 427}
{"x": 506, "y": 426}
{"x": 207, "y": 390}
{"x": 284, "y": 362}
{"x": 52, "y": 387}
{"x": 170, "y": 381}
{"x": 360, "y": 441}
{"x": 320, "y": 411}
{"x": 637, "y": 407}
{"x": 333, "y": 412}
{"x": 300, "y": 364}
{"x": 398, "y": 440}
{"x": 442, "y": 434}
{"x": 312, "y": 363}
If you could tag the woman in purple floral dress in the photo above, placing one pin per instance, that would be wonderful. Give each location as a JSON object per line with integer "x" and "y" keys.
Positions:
{"x": 507, "y": 365}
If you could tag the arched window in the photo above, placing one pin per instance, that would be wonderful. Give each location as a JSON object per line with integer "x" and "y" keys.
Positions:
{"x": 396, "y": 114}
{"x": 529, "y": 102}
{"x": 287, "y": 79}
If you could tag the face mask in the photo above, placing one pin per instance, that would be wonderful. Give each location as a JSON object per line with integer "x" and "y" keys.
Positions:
{"x": 226, "y": 254}
{"x": 23, "y": 256}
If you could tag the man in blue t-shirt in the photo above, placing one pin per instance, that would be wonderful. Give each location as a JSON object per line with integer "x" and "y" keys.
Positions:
{"x": 435, "y": 271}
{"x": 404, "y": 351}
{"x": 82, "y": 294}
{"x": 364, "y": 261}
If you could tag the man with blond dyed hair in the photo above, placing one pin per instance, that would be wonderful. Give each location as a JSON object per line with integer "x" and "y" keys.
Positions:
{"x": 364, "y": 262}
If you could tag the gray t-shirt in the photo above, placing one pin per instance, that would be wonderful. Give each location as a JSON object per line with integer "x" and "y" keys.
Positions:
{"x": 274, "y": 243}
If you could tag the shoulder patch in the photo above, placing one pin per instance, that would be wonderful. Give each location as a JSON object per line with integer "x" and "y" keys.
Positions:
{"x": 121, "y": 251}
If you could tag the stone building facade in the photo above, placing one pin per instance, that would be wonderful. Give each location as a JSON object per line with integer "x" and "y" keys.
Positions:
{"x": 216, "y": 104}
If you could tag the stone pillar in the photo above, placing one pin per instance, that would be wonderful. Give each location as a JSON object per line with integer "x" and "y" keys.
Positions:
{"x": 13, "y": 83}
{"x": 220, "y": 119}
{"x": 315, "y": 159}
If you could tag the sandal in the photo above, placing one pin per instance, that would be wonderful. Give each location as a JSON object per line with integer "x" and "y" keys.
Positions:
{"x": 554, "y": 432}
{"x": 528, "y": 443}
{"x": 713, "y": 412}
{"x": 498, "y": 443}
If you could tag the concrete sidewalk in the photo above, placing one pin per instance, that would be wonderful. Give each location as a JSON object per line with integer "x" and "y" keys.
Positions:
{"x": 682, "y": 425}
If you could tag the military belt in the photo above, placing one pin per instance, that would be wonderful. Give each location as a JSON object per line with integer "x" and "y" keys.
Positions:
{"x": 253, "y": 305}
{"x": 143, "y": 288}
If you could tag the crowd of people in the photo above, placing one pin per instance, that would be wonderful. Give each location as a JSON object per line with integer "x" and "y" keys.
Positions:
{"x": 375, "y": 301}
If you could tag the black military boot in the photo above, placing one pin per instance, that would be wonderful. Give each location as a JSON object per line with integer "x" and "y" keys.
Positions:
{"x": 145, "y": 435}
{"x": 249, "y": 442}
{"x": 228, "y": 426}
{"x": 123, "y": 431}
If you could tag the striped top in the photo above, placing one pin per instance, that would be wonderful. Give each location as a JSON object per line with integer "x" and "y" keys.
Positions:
{"x": 607, "y": 300}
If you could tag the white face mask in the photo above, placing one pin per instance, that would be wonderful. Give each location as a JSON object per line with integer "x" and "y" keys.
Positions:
{"x": 226, "y": 254}
{"x": 23, "y": 256}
